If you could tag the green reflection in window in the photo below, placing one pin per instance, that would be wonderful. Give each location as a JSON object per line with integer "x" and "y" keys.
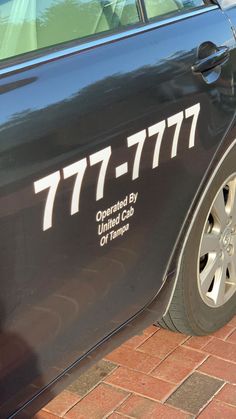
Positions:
{"x": 27, "y": 25}
{"x": 158, "y": 8}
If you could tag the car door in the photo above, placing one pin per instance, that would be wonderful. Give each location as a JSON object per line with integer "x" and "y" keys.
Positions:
{"x": 104, "y": 143}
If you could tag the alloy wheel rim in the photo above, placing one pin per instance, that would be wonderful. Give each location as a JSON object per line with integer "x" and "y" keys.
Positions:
{"x": 217, "y": 250}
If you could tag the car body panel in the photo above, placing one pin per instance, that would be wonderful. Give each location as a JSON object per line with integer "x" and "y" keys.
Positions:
{"x": 63, "y": 290}
{"x": 229, "y": 8}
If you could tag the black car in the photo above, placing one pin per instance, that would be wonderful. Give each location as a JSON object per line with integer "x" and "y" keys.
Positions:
{"x": 117, "y": 181}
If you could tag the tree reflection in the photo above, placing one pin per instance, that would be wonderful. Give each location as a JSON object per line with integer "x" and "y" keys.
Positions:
{"x": 29, "y": 25}
{"x": 64, "y": 20}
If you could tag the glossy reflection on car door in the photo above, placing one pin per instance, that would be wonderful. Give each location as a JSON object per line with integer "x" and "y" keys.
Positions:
{"x": 73, "y": 273}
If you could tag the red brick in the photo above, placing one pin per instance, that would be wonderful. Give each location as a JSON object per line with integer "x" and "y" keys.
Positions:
{"x": 232, "y": 337}
{"x": 62, "y": 403}
{"x": 162, "y": 343}
{"x": 133, "y": 359}
{"x": 227, "y": 394}
{"x": 198, "y": 342}
{"x": 117, "y": 416}
{"x": 45, "y": 415}
{"x": 139, "y": 339}
{"x": 223, "y": 332}
{"x": 225, "y": 350}
{"x": 98, "y": 403}
{"x": 219, "y": 368}
{"x": 218, "y": 410}
{"x": 140, "y": 383}
{"x": 173, "y": 371}
{"x": 188, "y": 356}
{"x": 179, "y": 364}
{"x": 140, "y": 408}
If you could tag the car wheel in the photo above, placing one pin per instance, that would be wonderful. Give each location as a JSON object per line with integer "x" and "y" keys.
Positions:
{"x": 205, "y": 294}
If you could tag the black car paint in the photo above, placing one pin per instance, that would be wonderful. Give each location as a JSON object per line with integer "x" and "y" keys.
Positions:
{"x": 61, "y": 293}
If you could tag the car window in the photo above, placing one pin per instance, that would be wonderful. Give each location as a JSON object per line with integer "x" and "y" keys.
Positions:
{"x": 27, "y": 25}
{"x": 158, "y": 8}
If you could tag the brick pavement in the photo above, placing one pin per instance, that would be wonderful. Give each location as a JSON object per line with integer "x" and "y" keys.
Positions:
{"x": 158, "y": 374}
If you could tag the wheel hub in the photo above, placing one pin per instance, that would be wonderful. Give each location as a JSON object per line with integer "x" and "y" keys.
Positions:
{"x": 226, "y": 242}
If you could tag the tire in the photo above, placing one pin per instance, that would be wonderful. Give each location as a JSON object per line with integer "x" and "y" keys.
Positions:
{"x": 205, "y": 296}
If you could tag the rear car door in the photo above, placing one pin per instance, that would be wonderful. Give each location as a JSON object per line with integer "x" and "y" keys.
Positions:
{"x": 104, "y": 141}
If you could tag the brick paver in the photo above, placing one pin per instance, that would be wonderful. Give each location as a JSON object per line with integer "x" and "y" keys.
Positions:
{"x": 141, "y": 407}
{"x": 157, "y": 375}
{"x": 227, "y": 394}
{"x": 98, "y": 403}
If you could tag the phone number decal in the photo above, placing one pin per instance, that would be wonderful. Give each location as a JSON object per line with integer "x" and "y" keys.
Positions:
{"x": 102, "y": 158}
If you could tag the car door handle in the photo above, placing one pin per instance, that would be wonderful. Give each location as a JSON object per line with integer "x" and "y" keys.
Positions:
{"x": 218, "y": 57}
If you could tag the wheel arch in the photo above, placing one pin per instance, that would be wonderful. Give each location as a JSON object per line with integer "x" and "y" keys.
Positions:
{"x": 222, "y": 151}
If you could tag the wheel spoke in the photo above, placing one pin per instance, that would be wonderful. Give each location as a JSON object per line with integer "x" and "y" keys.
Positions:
{"x": 208, "y": 273}
{"x": 231, "y": 204}
{"x": 210, "y": 243}
{"x": 219, "y": 210}
{"x": 232, "y": 269}
{"x": 218, "y": 292}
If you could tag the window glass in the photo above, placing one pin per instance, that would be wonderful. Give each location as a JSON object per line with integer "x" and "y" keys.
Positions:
{"x": 158, "y": 8}
{"x": 27, "y": 25}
